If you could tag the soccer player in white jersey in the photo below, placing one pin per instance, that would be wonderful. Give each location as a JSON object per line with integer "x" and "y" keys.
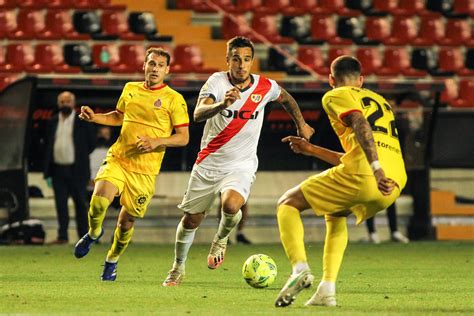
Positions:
{"x": 233, "y": 103}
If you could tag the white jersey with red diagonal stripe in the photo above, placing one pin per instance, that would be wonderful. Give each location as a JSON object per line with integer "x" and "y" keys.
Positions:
{"x": 230, "y": 138}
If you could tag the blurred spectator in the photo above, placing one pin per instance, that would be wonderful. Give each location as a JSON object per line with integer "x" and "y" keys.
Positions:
{"x": 395, "y": 235}
{"x": 97, "y": 158}
{"x": 104, "y": 136}
{"x": 69, "y": 141}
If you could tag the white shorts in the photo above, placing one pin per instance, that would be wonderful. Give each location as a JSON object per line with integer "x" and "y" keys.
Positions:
{"x": 205, "y": 185}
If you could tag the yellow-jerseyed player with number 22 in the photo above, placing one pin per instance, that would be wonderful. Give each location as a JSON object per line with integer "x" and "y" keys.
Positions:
{"x": 367, "y": 178}
{"x": 148, "y": 111}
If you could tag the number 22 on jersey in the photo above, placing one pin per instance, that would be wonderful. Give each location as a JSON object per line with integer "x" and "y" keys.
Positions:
{"x": 382, "y": 120}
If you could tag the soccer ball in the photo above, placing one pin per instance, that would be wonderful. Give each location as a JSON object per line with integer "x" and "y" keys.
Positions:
{"x": 259, "y": 271}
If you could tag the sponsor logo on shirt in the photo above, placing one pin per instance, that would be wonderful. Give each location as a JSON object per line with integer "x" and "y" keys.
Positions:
{"x": 243, "y": 115}
{"x": 256, "y": 98}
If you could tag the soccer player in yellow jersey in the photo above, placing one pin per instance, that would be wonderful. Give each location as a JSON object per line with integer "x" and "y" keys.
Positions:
{"x": 367, "y": 178}
{"x": 148, "y": 111}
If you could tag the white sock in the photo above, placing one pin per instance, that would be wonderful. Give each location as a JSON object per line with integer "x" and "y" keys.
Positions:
{"x": 299, "y": 267}
{"x": 326, "y": 287}
{"x": 228, "y": 223}
{"x": 184, "y": 240}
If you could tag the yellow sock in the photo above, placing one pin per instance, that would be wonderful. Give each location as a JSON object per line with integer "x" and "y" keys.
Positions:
{"x": 98, "y": 208}
{"x": 121, "y": 240}
{"x": 334, "y": 246}
{"x": 291, "y": 233}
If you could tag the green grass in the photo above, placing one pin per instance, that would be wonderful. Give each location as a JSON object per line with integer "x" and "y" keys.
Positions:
{"x": 416, "y": 279}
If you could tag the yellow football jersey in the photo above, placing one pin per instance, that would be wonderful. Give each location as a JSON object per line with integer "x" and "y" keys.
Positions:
{"x": 153, "y": 113}
{"x": 340, "y": 102}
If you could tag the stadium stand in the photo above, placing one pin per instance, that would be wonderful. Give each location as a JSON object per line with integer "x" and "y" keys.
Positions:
{"x": 349, "y": 24}
{"x": 58, "y": 25}
{"x": 416, "y": 40}
{"x": 115, "y": 25}
{"x": 188, "y": 58}
{"x": 17, "y": 58}
{"x": 131, "y": 59}
{"x": 49, "y": 58}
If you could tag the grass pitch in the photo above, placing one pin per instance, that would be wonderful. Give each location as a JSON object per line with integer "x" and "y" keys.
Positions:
{"x": 416, "y": 279}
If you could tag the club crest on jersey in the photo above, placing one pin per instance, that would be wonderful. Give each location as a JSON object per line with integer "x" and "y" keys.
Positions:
{"x": 157, "y": 104}
{"x": 256, "y": 98}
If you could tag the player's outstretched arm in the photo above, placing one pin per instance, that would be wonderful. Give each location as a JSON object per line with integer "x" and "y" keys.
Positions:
{"x": 364, "y": 136}
{"x": 290, "y": 106}
{"x": 300, "y": 145}
{"x": 179, "y": 139}
{"x": 113, "y": 118}
{"x": 207, "y": 108}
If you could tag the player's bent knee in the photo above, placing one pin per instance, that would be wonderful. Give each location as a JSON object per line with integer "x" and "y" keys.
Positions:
{"x": 229, "y": 208}
{"x": 192, "y": 221}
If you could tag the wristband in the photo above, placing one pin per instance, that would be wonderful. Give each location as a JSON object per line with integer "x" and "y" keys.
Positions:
{"x": 375, "y": 165}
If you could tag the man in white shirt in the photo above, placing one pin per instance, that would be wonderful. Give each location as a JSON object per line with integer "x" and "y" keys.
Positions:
{"x": 233, "y": 103}
{"x": 69, "y": 141}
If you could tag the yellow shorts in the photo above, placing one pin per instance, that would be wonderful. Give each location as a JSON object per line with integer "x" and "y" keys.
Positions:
{"x": 135, "y": 189}
{"x": 333, "y": 191}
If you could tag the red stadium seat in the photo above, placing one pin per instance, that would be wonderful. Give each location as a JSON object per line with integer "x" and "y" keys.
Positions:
{"x": 312, "y": 57}
{"x": 32, "y": 4}
{"x": 231, "y": 28}
{"x": 335, "y": 52}
{"x": 403, "y": 32}
{"x": 182, "y": 5}
{"x": 86, "y": 4}
{"x": 273, "y": 6}
{"x": 7, "y": 22}
{"x": 131, "y": 59}
{"x": 266, "y": 26}
{"x": 114, "y": 23}
{"x": 59, "y": 26}
{"x": 247, "y": 5}
{"x": 413, "y": 7}
{"x": 30, "y": 23}
{"x": 466, "y": 94}
{"x": 188, "y": 58}
{"x": 203, "y": 7}
{"x": 300, "y": 7}
{"x": 60, "y": 4}
{"x": 3, "y": 51}
{"x": 450, "y": 60}
{"x": 464, "y": 7}
{"x": 377, "y": 28}
{"x": 323, "y": 28}
{"x": 397, "y": 61}
{"x": 370, "y": 59}
{"x": 17, "y": 58}
{"x": 458, "y": 32}
{"x": 8, "y": 4}
{"x": 431, "y": 31}
{"x": 334, "y": 7}
{"x": 49, "y": 58}
{"x": 384, "y": 6}
{"x": 107, "y": 4}
{"x": 105, "y": 55}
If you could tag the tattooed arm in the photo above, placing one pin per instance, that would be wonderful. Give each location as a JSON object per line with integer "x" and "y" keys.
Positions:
{"x": 291, "y": 107}
{"x": 364, "y": 136}
{"x": 363, "y": 132}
